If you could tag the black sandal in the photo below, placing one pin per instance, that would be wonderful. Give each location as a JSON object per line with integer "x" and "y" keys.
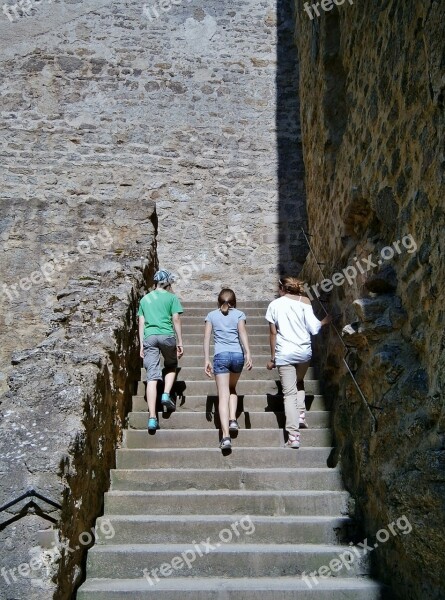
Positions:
{"x": 225, "y": 443}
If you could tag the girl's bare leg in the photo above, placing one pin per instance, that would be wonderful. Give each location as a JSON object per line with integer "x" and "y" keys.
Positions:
{"x": 233, "y": 400}
{"x": 222, "y": 383}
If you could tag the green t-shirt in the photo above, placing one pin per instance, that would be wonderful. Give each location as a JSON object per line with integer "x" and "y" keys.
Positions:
{"x": 157, "y": 308}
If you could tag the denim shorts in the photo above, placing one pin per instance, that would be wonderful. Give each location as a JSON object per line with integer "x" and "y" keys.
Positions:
{"x": 228, "y": 362}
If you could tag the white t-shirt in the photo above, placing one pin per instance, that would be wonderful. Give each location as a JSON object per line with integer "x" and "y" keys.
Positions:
{"x": 295, "y": 322}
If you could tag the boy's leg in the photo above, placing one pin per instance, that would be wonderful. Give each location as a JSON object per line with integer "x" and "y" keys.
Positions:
{"x": 288, "y": 376}
{"x": 167, "y": 346}
{"x": 169, "y": 381}
{"x": 152, "y": 364}
{"x": 152, "y": 395}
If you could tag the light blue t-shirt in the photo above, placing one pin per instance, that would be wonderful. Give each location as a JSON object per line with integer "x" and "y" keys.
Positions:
{"x": 225, "y": 330}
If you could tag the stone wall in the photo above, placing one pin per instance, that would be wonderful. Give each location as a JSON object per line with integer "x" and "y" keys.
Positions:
{"x": 372, "y": 99}
{"x": 199, "y": 101}
{"x": 220, "y": 89}
{"x": 63, "y": 415}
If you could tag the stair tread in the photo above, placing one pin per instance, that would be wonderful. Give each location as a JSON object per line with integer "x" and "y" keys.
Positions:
{"x": 226, "y": 548}
{"x": 264, "y": 470}
{"x": 211, "y": 583}
{"x": 250, "y": 412}
{"x": 218, "y": 451}
{"x": 245, "y": 396}
{"x": 276, "y": 378}
{"x": 263, "y": 430}
{"x": 277, "y": 493}
{"x": 224, "y": 517}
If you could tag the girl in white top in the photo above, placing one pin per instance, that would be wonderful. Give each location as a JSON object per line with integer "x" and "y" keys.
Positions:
{"x": 291, "y": 323}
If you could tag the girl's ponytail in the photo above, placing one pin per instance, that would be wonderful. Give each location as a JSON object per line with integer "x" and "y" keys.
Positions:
{"x": 224, "y": 308}
{"x": 226, "y": 300}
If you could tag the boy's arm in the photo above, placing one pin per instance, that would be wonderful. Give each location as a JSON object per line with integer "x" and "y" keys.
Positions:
{"x": 141, "y": 335}
{"x": 176, "y": 319}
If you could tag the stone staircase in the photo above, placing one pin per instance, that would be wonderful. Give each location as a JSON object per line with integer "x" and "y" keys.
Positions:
{"x": 250, "y": 524}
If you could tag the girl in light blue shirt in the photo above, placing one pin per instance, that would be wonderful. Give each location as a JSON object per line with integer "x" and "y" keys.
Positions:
{"x": 231, "y": 352}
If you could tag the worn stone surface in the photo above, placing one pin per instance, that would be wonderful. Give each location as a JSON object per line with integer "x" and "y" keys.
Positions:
{"x": 221, "y": 98}
{"x": 199, "y": 103}
{"x": 69, "y": 356}
{"x": 62, "y": 419}
{"x": 372, "y": 98}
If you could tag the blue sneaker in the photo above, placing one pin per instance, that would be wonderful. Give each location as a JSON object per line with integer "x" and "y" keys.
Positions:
{"x": 167, "y": 402}
{"x": 153, "y": 424}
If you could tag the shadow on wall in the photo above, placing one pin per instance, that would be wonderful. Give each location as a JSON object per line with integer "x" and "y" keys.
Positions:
{"x": 292, "y": 214}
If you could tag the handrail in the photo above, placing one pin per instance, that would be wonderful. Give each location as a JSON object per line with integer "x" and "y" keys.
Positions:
{"x": 362, "y": 395}
{"x": 30, "y": 494}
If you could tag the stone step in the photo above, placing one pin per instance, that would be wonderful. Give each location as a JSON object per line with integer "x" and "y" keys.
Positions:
{"x": 255, "y": 340}
{"x": 196, "y": 348}
{"x": 272, "y": 478}
{"x": 244, "y": 306}
{"x": 209, "y": 588}
{"x": 181, "y": 419}
{"x": 244, "y": 386}
{"x": 258, "y": 372}
{"x": 216, "y": 502}
{"x": 253, "y": 329}
{"x": 202, "y": 312}
{"x": 187, "y": 319}
{"x": 212, "y": 458}
{"x": 249, "y": 402}
{"x": 248, "y": 560}
{"x": 177, "y": 529}
{"x": 198, "y": 360}
{"x": 202, "y": 438}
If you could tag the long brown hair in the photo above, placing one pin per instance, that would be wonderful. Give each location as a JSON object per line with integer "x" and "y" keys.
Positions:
{"x": 292, "y": 285}
{"x": 226, "y": 300}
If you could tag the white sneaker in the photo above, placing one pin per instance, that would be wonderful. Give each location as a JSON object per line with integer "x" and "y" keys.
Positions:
{"x": 225, "y": 444}
{"x": 302, "y": 421}
{"x": 293, "y": 440}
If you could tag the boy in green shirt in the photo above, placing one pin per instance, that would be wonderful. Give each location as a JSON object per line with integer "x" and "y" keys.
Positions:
{"x": 159, "y": 321}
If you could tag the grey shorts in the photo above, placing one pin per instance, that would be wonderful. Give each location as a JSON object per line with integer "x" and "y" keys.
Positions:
{"x": 154, "y": 346}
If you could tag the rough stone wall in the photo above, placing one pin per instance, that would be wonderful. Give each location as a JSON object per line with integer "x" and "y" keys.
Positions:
{"x": 77, "y": 230}
{"x": 219, "y": 117}
{"x": 372, "y": 100}
{"x": 198, "y": 104}
{"x": 63, "y": 416}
